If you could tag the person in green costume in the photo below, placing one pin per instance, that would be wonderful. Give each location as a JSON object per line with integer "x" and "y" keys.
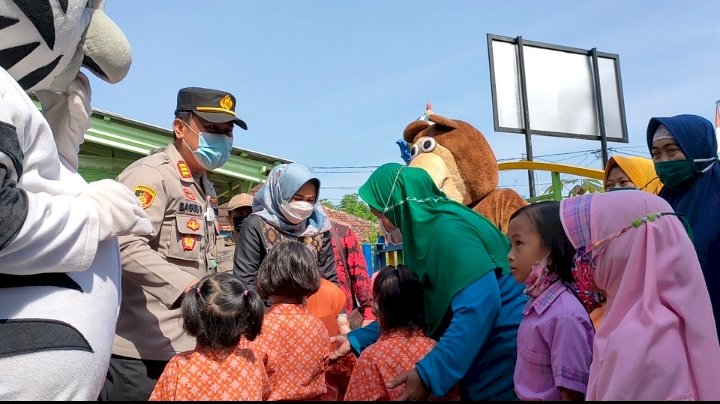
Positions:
{"x": 473, "y": 307}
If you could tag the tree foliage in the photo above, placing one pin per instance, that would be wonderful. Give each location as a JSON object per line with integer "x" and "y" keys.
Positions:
{"x": 578, "y": 186}
{"x": 352, "y": 204}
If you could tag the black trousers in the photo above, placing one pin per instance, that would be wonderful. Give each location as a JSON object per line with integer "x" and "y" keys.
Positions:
{"x": 130, "y": 379}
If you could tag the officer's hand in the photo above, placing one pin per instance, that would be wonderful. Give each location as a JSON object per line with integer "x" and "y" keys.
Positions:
{"x": 119, "y": 211}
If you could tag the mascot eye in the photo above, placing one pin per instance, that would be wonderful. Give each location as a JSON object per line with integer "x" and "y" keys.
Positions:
{"x": 428, "y": 145}
{"x": 414, "y": 151}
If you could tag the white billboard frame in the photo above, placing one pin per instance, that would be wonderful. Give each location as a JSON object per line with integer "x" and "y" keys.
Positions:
{"x": 557, "y": 90}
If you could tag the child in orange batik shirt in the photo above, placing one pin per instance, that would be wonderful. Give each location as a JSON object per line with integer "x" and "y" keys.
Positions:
{"x": 296, "y": 342}
{"x": 218, "y": 311}
{"x": 399, "y": 305}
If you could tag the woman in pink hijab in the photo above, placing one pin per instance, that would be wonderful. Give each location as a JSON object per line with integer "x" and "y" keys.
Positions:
{"x": 658, "y": 339}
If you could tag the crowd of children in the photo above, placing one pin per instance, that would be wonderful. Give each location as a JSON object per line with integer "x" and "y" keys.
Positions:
{"x": 609, "y": 301}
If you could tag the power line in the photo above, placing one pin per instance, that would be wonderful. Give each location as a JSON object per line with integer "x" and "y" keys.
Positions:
{"x": 498, "y": 160}
{"x": 341, "y": 167}
{"x": 629, "y": 154}
{"x": 343, "y": 172}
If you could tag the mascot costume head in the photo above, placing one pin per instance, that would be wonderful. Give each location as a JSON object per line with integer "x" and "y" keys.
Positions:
{"x": 60, "y": 267}
{"x": 462, "y": 164}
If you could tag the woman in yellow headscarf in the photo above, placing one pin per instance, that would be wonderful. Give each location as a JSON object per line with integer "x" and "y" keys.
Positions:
{"x": 631, "y": 172}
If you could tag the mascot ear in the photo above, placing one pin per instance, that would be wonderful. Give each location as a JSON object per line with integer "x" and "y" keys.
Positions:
{"x": 413, "y": 129}
{"x": 442, "y": 121}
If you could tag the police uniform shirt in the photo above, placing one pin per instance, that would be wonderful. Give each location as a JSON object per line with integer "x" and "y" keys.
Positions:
{"x": 156, "y": 270}
{"x": 225, "y": 253}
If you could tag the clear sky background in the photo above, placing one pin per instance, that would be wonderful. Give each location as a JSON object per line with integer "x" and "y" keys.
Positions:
{"x": 334, "y": 83}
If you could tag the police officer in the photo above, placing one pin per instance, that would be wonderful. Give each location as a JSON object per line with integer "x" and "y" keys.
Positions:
{"x": 239, "y": 208}
{"x": 173, "y": 187}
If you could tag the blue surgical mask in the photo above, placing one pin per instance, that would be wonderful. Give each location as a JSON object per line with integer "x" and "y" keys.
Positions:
{"x": 213, "y": 150}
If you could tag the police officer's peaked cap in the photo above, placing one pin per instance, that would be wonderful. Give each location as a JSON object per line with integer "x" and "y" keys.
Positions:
{"x": 211, "y": 105}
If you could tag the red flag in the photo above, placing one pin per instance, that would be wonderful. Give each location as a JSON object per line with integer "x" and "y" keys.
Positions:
{"x": 717, "y": 114}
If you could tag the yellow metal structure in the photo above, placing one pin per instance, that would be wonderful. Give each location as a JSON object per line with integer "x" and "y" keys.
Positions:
{"x": 552, "y": 167}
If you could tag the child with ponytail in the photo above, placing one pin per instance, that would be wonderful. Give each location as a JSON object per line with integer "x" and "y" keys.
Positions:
{"x": 218, "y": 312}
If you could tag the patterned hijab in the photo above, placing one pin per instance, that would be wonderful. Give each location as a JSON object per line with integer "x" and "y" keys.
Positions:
{"x": 447, "y": 245}
{"x": 640, "y": 171}
{"x": 282, "y": 183}
{"x": 657, "y": 340}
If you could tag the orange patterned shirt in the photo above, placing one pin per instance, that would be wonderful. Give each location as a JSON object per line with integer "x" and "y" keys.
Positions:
{"x": 210, "y": 375}
{"x": 394, "y": 353}
{"x": 297, "y": 346}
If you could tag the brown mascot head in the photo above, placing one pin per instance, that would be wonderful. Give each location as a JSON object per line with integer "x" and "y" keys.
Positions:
{"x": 456, "y": 155}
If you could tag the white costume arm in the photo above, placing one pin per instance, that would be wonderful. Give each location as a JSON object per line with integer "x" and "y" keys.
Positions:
{"x": 66, "y": 219}
{"x": 69, "y": 117}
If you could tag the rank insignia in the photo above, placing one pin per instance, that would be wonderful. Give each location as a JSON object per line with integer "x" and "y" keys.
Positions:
{"x": 193, "y": 224}
{"x": 226, "y": 103}
{"x": 188, "y": 243}
{"x": 184, "y": 170}
{"x": 145, "y": 195}
{"x": 189, "y": 194}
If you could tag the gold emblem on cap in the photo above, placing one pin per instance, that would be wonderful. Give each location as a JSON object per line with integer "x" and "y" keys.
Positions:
{"x": 226, "y": 102}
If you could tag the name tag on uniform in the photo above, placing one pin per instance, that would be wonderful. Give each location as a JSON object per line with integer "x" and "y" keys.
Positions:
{"x": 210, "y": 214}
{"x": 189, "y": 207}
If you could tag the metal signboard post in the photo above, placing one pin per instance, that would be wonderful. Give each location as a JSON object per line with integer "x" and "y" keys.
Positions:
{"x": 555, "y": 90}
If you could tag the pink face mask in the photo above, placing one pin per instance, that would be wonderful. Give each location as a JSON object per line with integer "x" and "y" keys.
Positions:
{"x": 590, "y": 295}
{"x": 539, "y": 278}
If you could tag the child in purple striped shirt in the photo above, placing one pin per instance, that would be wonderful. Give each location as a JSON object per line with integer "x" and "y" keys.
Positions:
{"x": 555, "y": 336}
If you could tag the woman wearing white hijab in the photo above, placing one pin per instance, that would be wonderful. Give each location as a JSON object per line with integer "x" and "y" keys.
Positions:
{"x": 286, "y": 207}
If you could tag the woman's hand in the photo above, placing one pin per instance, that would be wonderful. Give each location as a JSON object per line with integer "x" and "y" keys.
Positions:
{"x": 415, "y": 389}
{"x": 343, "y": 349}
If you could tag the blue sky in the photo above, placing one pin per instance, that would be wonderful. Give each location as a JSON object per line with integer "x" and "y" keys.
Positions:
{"x": 334, "y": 83}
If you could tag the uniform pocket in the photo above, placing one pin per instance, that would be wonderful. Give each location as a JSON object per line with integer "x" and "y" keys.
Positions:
{"x": 188, "y": 234}
{"x": 536, "y": 362}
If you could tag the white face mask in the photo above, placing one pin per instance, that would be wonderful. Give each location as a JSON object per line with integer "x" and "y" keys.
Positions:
{"x": 296, "y": 211}
{"x": 393, "y": 237}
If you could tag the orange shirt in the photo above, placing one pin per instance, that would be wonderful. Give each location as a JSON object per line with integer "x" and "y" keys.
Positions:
{"x": 297, "y": 346}
{"x": 395, "y": 353}
{"x": 326, "y": 304}
{"x": 210, "y": 375}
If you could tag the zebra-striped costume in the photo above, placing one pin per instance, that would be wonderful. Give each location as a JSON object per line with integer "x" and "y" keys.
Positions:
{"x": 59, "y": 283}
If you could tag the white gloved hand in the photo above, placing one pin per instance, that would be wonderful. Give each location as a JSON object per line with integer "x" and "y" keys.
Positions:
{"x": 119, "y": 211}
{"x": 68, "y": 114}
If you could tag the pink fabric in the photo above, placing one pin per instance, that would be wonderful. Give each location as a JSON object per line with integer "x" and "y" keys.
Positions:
{"x": 658, "y": 339}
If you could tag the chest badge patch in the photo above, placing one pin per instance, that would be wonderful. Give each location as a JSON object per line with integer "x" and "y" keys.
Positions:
{"x": 145, "y": 195}
{"x": 193, "y": 224}
{"x": 184, "y": 170}
{"x": 188, "y": 243}
{"x": 189, "y": 194}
